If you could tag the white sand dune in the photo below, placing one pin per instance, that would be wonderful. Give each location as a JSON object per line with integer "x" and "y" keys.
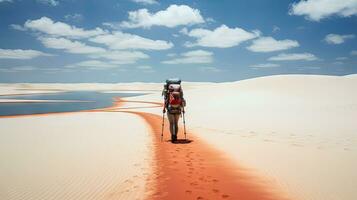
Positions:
{"x": 74, "y": 156}
{"x": 299, "y": 132}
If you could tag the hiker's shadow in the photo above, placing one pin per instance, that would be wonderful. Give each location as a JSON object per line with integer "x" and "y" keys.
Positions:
{"x": 181, "y": 141}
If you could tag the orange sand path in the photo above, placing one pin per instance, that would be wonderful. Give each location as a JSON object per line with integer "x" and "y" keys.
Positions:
{"x": 190, "y": 169}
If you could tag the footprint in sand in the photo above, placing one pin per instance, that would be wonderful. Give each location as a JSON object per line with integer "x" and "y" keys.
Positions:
{"x": 200, "y": 198}
{"x": 215, "y": 190}
{"x": 188, "y": 192}
{"x": 194, "y": 183}
{"x": 225, "y": 196}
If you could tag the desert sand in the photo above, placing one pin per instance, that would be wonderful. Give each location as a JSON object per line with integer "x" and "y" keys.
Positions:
{"x": 74, "y": 156}
{"x": 276, "y": 137}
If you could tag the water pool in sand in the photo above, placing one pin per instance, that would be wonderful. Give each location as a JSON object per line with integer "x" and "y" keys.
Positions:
{"x": 58, "y": 102}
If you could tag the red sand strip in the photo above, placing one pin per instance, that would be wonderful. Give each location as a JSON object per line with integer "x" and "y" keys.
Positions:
{"x": 147, "y": 102}
{"x": 194, "y": 170}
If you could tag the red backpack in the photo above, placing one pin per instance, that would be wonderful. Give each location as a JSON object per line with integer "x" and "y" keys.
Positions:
{"x": 174, "y": 96}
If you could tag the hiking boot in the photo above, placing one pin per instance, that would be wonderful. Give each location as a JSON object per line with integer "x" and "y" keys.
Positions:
{"x": 173, "y": 138}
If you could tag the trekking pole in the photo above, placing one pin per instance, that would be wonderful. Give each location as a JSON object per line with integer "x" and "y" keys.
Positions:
{"x": 184, "y": 122}
{"x": 163, "y": 122}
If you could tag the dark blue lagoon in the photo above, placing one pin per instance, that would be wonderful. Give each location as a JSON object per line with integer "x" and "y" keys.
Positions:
{"x": 82, "y": 100}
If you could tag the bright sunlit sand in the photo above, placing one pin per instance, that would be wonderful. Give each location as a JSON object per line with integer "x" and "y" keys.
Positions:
{"x": 290, "y": 136}
{"x": 178, "y": 100}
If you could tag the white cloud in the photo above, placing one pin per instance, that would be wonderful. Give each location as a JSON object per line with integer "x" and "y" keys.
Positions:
{"x": 49, "y": 2}
{"x": 116, "y": 57}
{"x": 337, "y": 39}
{"x": 173, "y": 16}
{"x": 93, "y": 64}
{"x": 76, "y": 47}
{"x": 184, "y": 31}
{"x": 338, "y": 63}
{"x": 121, "y": 57}
{"x": 145, "y": 67}
{"x": 24, "y": 68}
{"x": 354, "y": 53}
{"x": 293, "y": 56}
{"x": 269, "y": 44}
{"x": 171, "y": 54}
{"x": 146, "y": 2}
{"x": 48, "y": 26}
{"x": 221, "y": 37}
{"x": 20, "y": 54}
{"x": 70, "y": 46}
{"x": 119, "y": 40}
{"x": 341, "y": 58}
{"x": 210, "y": 69}
{"x": 15, "y": 69}
{"x": 265, "y": 65}
{"x": 316, "y": 10}
{"x": 197, "y": 56}
{"x": 76, "y": 17}
{"x": 18, "y": 27}
{"x": 5, "y": 1}
{"x": 275, "y": 29}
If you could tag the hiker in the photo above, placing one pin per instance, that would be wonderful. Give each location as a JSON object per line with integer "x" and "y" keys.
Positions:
{"x": 174, "y": 104}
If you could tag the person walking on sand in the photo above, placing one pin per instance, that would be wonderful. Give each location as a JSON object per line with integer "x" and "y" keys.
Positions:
{"x": 174, "y": 103}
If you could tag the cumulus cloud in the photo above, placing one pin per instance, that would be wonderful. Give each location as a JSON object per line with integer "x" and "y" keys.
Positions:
{"x": 269, "y": 44}
{"x": 48, "y": 26}
{"x": 49, "y": 2}
{"x": 265, "y": 65}
{"x": 197, "y": 56}
{"x": 119, "y": 40}
{"x": 354, "y": 53}
{"x": 337, "y": 39}
{"x": 76, "y": 47}
{"x": 69, "y": 46}
{"x": 121, "y": 57}
{"x": 18, "y": 27}
{"x": 145, "y": 2}
{"x": 316, "y": 10}
{"x": 21, "y": 54}
{"x": 93, "y": 64}
{"x": 221, "y": 37}
{"x": 293, "y": 56}
{"x": 174, "y": 15}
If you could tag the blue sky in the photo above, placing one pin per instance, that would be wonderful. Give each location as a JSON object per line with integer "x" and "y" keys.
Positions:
{"x": 150, "y": 40}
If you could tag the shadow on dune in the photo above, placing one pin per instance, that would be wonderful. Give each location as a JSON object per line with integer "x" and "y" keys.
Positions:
{"x": 181, "y": 141}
